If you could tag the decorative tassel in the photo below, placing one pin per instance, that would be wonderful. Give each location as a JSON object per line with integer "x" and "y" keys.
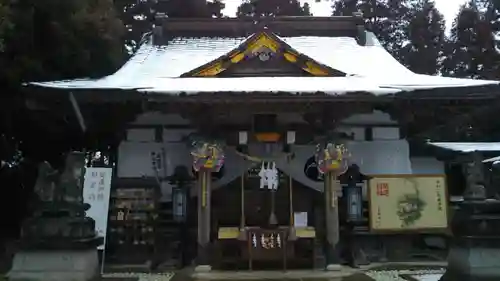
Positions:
{"x": 262, "y": 175}
{"x": 268, "y": 176}
{"x": 275, "y": 177}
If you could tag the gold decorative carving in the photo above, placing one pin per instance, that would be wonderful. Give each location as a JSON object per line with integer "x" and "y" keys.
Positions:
{"x": 262, "y": 41}
{"x": 290, "y": 57}
{"x": 237, "y": 57}
{"x": 224, "y": 233}
{"x": 212, "y": 70}
{"x": 315, "y": 69}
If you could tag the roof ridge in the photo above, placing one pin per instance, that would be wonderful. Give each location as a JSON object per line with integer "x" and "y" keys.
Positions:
{"x": 284, "y": 26}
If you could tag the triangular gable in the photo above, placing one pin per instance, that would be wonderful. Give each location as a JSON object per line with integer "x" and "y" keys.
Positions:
{"x": 261, "y": 44}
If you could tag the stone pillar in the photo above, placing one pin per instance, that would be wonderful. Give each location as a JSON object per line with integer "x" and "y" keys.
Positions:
{"x": 204, "y": 208}
{"x": 475, "y": 178}
{"x": 331, "y": 189}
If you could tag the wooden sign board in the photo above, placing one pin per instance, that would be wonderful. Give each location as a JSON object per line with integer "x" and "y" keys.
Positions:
{"x": 408, "y": 203}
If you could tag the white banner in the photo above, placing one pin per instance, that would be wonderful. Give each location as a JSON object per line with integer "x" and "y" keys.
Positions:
{"x": 96, "y": 192}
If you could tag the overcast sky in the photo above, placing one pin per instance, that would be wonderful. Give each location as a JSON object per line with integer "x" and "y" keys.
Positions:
{"x": 449, "y": 8}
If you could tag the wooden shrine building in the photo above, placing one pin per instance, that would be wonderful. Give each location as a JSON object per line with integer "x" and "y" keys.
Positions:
{"x": 288, "y": 117}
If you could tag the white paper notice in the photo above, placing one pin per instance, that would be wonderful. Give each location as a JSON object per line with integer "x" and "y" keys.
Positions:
{"x": 300, "y": 219}
{"x": 96, "y": 192}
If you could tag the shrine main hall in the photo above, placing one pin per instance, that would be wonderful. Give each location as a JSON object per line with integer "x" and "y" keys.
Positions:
{"x": 268, "y": 144}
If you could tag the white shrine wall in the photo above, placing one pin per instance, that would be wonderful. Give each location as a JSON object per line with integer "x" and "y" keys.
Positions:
{"x": 385, "y": 153}
{"x": 427, "y": 166}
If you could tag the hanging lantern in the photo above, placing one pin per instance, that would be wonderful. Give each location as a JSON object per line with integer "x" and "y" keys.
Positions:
{"x": 332, "y": 158}
{"x": 209, "y": 156}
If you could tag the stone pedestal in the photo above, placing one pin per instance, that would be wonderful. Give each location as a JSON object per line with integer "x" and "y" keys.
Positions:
{"x": 203, "y": 268}
{"x": 475, "y": 249}
{"x": 473, "y": 264}
{"x": 74, "y": 265}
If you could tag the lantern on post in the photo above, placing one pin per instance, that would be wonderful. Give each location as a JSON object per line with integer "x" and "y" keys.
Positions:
{"x": 332, "y": 158}
{"x": 180, "y": 181}
{"x": 207, "y": 156}
{"x": 331, "y": 161}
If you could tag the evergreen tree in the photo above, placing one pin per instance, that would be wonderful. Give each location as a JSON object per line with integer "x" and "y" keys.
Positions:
{"x": 5, "y": 23}
{"x": 470, "y": 51}
{"x": 46, "y": 40}
{"x": 272, "y": 8}
{"x": 190, "y": 8}
{"x": 424, "y": 51}
{"x": 52, "y": 40}
{"x": 60, "y": 39}
{"x": 345, "y": 7}
{"x": 385, "y": 18}
{"x": 139, "y": 15}
{"x": 138, "y": 18}
{"x": 491, "y": 30}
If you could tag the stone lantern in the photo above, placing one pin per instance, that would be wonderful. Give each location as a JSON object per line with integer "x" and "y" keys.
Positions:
{"x": 475, "y": 245}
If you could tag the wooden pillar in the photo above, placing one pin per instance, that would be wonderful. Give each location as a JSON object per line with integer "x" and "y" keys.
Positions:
{"x": 204, "y": 208}
{"x": 332, "y": 251}
{"x": 242, "y": 203}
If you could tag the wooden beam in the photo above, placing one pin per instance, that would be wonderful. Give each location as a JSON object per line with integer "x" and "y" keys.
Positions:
{"x": 78, "y": 112}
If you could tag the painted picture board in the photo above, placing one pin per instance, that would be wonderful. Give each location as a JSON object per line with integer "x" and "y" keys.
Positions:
{"x": 408, "y": 202}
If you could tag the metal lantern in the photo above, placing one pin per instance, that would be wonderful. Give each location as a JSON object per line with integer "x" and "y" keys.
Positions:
{"x": 181, "y": 181}
{"x": 352, "y": 190}
{"x": 354, "y": 198}
{"x": 179, "y": 202}
{"x": 209, "y": 156}
{"x": 332, "y": 158}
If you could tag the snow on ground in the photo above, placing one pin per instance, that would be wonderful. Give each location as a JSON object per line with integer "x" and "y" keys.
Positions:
{"x": 427, "y": 277}
{"x": 140, "y": 276}
{"x": 397, "y": 275}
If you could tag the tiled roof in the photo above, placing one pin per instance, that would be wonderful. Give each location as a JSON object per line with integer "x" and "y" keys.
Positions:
{"x": 468, "y": 147}
{"x": 346, "y": 55}
{"x": 156, "y": 68}
{"x": 181, "y": 55}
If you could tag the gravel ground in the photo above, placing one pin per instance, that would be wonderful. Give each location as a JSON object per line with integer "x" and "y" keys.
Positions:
{"x": 397, "y": 275}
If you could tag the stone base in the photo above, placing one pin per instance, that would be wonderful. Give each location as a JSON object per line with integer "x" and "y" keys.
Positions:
{"x": 203, "y": 268}
{"x": 55, "y": 266}
{"x": 476, "y": 263}
{"x": 333, "y": 267}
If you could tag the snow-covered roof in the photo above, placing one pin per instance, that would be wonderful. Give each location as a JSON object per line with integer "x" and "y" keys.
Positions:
{"x": 157, "y": 68}
{"x": 495, "y": 160}
{"x": 328, "y": 85}
{"x": 468, "y": 147}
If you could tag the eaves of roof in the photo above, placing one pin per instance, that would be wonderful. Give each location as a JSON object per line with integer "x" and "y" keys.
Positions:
{"x": 156, "y": 68}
